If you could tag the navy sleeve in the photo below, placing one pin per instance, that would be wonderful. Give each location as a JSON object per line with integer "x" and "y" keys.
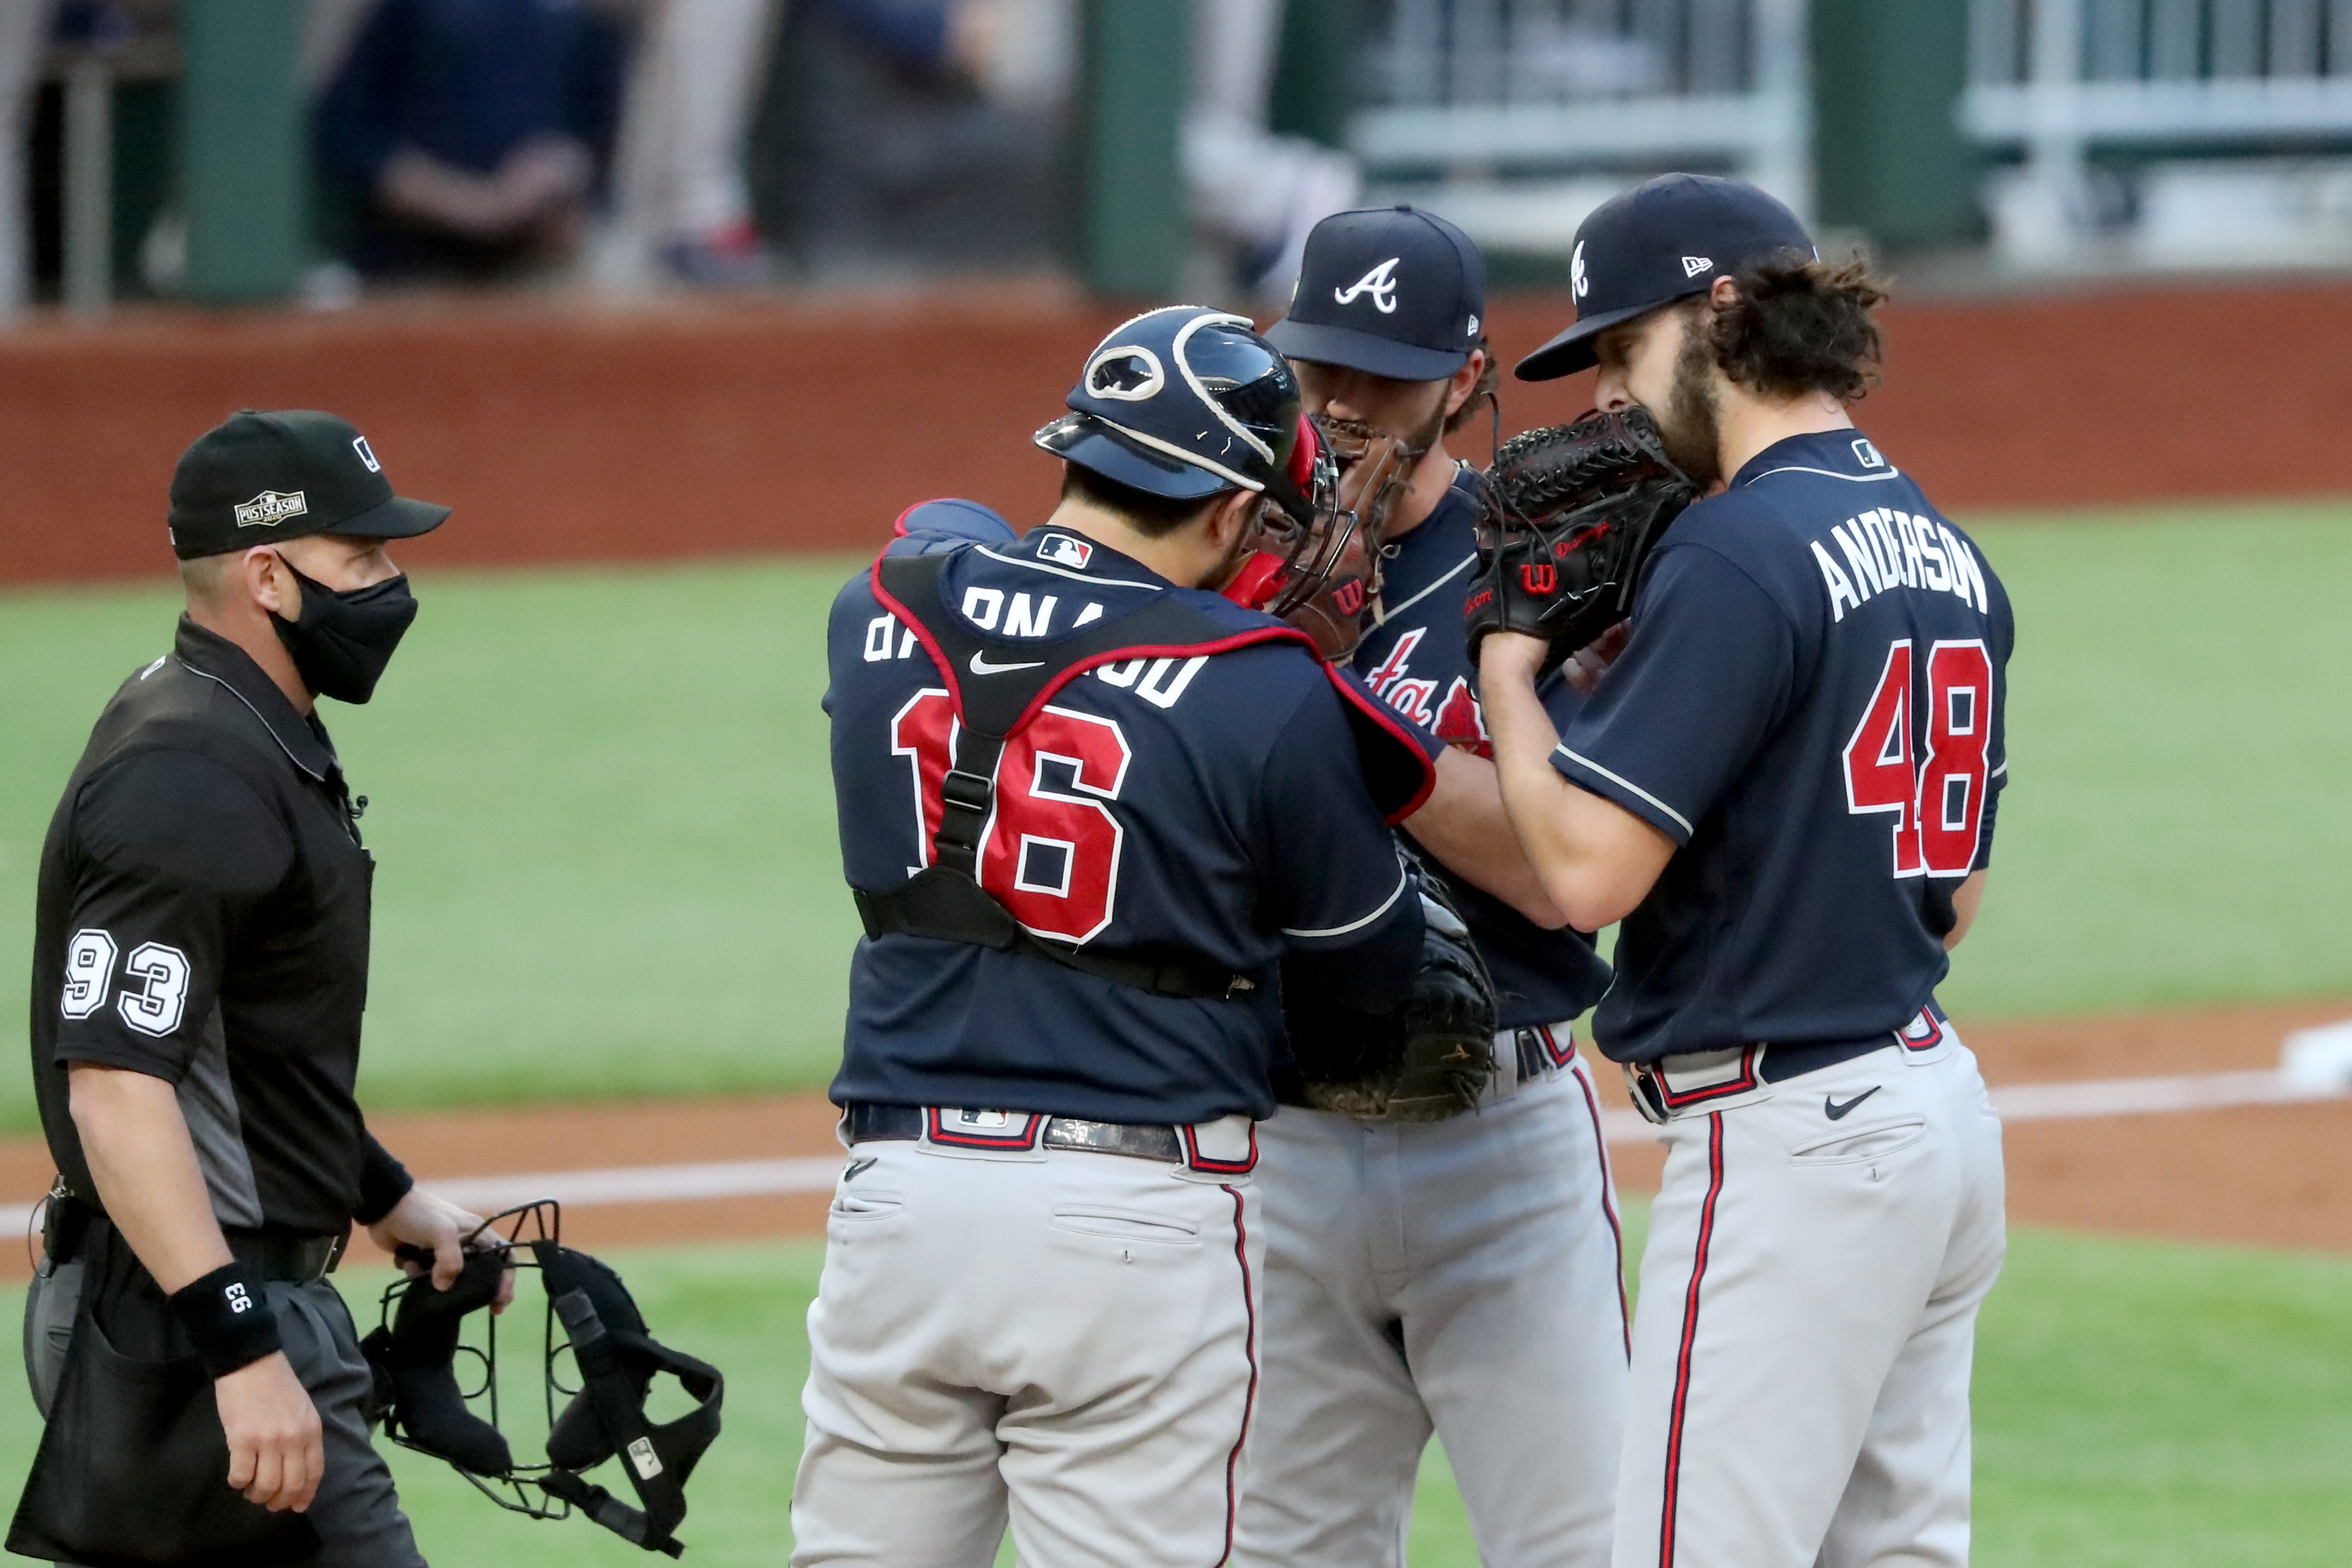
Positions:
{"x": 1706, "y": 673}
{"x": 171, "y": 851}
{"x": 2004, "y": 641}
{"x": 1332, "y": 874}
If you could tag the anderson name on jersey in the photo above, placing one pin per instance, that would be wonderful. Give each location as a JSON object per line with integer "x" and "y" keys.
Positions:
{"x": 1153, "y": 806}
{"x": 1810, "y": 705}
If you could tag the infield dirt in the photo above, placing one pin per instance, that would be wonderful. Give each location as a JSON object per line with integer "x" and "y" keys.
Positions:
{"x": 2266, "y": 1174}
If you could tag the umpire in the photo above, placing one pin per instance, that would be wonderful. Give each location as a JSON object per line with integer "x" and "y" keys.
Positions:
{"x": 200, "y": 964}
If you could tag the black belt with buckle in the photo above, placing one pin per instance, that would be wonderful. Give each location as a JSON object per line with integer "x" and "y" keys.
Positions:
{"x": 285, "y": 1256}
{"x": 869, "y": 1124}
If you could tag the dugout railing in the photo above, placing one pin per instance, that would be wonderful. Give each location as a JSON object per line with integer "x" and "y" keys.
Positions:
{"x": 1519, "y": 115}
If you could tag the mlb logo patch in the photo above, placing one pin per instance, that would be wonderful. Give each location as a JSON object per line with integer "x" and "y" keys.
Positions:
{"x": 1867, "y": 456}
{"x": 1066, "y": 552}
{"x": 367, "y": 454}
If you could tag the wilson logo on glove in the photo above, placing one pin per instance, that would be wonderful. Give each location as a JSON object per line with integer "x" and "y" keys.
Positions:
{"x": 1538, "y": 578}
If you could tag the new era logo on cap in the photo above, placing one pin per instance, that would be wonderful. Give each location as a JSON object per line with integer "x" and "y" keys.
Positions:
{"x": 1695, "y": 264}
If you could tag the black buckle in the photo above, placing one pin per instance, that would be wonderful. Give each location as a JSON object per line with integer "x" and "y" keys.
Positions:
{"x": 966, "y": 792}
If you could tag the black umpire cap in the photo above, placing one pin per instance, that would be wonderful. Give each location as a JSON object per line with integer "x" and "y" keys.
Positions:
{"x": 1665, "y": 239}
{"x": 262, "y": 477}
{"x": 1388, "y": 290}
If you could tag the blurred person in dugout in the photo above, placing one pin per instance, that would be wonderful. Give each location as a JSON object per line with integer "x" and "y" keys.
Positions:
{"x": 1258, "y": 193}
{"x": 23, "y": 36}
{"x": 466, "y": 138}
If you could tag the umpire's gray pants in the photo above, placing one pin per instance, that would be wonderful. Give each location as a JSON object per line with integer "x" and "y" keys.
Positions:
{"x": 356, "y": 1512}
{"x": 1463, "y": 1277}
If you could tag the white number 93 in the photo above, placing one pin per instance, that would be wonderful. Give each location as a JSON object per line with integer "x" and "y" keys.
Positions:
{"x": 155, "y": 993}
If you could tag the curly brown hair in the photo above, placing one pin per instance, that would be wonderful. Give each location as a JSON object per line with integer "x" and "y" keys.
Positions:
{"x": 1801, "y": 326}
{"x": 1489, "y": 381}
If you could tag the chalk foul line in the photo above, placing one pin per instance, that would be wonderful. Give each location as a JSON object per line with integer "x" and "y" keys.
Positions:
{"x": 768, "y": 1178}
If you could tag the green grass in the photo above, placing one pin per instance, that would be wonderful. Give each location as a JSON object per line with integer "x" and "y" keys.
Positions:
{"x": 2181, "y": 746}
{"x": 603, "y": 815}
{"x": 2139, "y": 1404}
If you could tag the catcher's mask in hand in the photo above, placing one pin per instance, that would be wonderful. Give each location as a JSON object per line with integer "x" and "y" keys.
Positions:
{"x": 414, "y": 1354}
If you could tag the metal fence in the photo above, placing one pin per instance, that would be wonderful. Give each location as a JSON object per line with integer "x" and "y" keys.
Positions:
{"x": 2060, "y": 77}
{"x": 1501, "y": 87}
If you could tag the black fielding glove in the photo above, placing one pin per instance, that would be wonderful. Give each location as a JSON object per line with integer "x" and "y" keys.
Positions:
{"x": 1432, "y": 1058}
{"x": 1567, "y": 518}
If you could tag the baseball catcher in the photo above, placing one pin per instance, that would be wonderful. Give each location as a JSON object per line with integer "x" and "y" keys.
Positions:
{"x": 1432, "y": 1058}
{"x": 1570, "y": 513}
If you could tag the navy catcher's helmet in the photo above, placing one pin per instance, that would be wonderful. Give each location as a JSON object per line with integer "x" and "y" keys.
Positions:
{"x": 1186, "y": 401}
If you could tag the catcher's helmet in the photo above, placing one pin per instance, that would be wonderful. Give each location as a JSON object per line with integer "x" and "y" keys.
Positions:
{"x": 1185, "y": 401}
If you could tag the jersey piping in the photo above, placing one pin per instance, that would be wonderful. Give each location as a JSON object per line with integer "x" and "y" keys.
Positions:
{"x": 1386, "y": 905}
{"x": 272, "y": 728}
{"x": 1623, "y": 783}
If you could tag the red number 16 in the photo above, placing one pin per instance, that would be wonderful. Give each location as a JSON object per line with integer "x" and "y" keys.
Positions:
{"x": 1937, "y": 802}
{"x": 1049, "y": 853}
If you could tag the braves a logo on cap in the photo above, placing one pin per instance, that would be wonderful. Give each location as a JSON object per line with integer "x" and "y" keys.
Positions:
{"x": 271, "y": 508}
{"x": 1695, "y": 264}
{"x": 1069, "y": 552}
{"x": 1577, "y": 281}
{"x": 367, "y": 454}
{"x": 1380, "y": 283}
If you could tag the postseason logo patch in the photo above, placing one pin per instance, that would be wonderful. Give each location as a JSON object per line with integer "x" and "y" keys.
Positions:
{"x": 270, "y": 508}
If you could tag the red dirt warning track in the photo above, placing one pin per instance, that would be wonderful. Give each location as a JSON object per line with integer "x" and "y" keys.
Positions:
{"x": 564, "y": 432}
{"x": 2274, "y": 1175}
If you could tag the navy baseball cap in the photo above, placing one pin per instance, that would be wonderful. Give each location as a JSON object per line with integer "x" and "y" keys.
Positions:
{"x": 1183, "y": 401}
{"x": 1388, "y": 290}
{"x": 259, "y": 477}
{"x": 1665, "y": 239}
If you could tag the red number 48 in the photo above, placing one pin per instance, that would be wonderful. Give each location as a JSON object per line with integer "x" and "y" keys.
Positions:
{"x": 1937, "y": 801}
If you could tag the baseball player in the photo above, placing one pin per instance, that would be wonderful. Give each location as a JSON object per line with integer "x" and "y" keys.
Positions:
{"x": 1784, "y": 786}
{"x": 1466, "y": 1275}
{"x": 1086, "y": 806}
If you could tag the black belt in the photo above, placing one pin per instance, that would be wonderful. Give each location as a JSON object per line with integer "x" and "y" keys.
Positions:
{"x": 286, "y": 1258}
{"x": 867, "y": 1123}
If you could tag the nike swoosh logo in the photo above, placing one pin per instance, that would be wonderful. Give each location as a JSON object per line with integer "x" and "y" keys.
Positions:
{"x": 1837, "y": 1112}
{"x": 858, "y": 1168}
{"x": 981, "y": 665}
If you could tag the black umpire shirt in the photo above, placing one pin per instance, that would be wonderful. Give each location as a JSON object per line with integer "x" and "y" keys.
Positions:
{"x": 204, "y": 919}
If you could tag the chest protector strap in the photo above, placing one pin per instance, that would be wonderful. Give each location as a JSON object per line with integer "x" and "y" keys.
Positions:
{"x": 945, "y": 899}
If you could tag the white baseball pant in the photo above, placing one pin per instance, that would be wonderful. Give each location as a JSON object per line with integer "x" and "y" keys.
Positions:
{"x": 1802, "y": 1351}
{"x": 1064, "y": 1337}
{"x": 1463, "y": 1277}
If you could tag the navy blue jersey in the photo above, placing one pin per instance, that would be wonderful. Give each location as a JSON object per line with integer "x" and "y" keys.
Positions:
{"x": 1810, "y": 706}
{"x": 1213, "y": 804}
{"x": 1416, "y": 659}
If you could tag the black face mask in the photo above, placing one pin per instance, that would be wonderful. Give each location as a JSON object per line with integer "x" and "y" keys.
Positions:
{"x": 344, "y": 640}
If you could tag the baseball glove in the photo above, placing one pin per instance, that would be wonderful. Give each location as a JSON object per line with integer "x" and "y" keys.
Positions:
{"x": 1567, "y": 516}
{"x": 1432, "y": 1058}
{"x": 1334, "y": 595}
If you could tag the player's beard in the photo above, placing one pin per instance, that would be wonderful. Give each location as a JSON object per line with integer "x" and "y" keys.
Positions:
{"x": 1691, "y": 426}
